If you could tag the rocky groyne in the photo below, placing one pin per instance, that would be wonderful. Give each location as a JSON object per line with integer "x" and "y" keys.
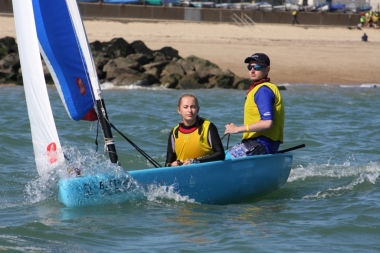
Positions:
{"x": 123, "y": 63}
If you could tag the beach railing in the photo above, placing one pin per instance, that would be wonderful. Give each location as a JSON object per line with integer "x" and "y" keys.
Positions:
{"x": 103, "y": 10}
{"x": 248, "y": 19}
{"x": 244, "y": 20}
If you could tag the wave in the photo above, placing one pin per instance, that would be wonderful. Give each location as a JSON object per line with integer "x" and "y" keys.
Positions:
{"x": 365, "y": 85}
{"x": 353, "y": 185}
{"x": 335, "y": 180}
{"x": 111, "y": 86}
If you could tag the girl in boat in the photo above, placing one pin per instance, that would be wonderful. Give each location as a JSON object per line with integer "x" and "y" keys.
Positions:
{"x": 195, "y": 139}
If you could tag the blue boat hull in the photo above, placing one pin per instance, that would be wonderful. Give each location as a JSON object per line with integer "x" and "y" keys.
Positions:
{"x": 220, "y": 182}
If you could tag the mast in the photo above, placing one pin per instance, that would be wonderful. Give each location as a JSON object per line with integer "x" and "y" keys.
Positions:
{"x": 107, "y": 133}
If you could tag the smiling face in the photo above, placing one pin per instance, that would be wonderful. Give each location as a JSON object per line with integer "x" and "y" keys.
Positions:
{"x": 257, "y": 75}
{"x": 188, "y": 108}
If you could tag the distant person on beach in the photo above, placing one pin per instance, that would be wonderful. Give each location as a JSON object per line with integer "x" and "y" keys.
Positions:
{"x": 294, "y": 14}
{"x": 195, "y": 139}
{"x": 362, "y": 19}
{"x": 368, "y": 19}
{"x": 375, "y": 20}
{"x": 264, "y": 113}
{"x": 365, "y": 37}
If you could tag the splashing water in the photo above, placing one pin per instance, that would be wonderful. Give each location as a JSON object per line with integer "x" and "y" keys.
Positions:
{"x": 351, "y": 178}
{"x": 157, "y": 193}
{"x": 89, "y": 162}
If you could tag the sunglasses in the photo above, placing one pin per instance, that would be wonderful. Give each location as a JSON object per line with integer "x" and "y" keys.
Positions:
{"x": 255, "y": 67}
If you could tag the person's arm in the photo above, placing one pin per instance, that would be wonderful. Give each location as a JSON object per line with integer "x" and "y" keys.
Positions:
{"x": 217, "y": 147}
{"x": 258, "y": 126}
{"x": 264, "y": 99}
{"x": 171, "y": 156}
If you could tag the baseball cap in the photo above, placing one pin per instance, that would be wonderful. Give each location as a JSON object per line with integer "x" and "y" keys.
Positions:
{"x": 258, "y": 57}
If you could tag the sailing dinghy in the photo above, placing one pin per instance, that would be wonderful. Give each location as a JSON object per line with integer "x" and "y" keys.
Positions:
{"x": 55, "y": 29}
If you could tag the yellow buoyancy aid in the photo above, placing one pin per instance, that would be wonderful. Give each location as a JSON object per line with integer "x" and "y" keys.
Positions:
{"x": 367, "y": 17}
{"x": 252, "y": 115}
{"x": 192, "y": 145}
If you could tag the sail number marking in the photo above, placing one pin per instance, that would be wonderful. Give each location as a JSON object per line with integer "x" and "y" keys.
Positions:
{"x": 107, "y": 187}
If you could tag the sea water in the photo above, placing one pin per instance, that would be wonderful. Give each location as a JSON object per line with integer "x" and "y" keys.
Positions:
{"x": 330, "y": 203}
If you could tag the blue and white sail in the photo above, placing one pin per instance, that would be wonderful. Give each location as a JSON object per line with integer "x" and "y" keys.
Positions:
{"x": 47, "y": 148}
{"x": 65, "y": 49}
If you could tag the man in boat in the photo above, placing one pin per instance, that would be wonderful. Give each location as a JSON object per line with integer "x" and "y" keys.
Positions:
{"x": 264, "y": 113}
{"x": 195, "y": 139}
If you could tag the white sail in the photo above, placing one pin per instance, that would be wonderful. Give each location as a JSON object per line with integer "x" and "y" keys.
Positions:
{"x": 47, "y": 148}
{"x": 83, "y": 42}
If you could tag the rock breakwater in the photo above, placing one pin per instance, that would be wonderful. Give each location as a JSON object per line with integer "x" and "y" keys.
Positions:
{"x": 123, "y": 63}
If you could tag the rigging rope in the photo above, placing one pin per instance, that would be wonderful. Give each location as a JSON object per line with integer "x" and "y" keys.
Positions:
{"x": 228, "y": 139}
{"x": 96, "y": 138}
{"x": 150, "y": 159}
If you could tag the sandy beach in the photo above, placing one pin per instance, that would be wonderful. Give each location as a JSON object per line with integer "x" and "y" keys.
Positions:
{"x": 299, "y": 54}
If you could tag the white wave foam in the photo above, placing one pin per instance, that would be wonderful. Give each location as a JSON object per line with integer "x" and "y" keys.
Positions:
{"x": 41, "y": 189}
{"x": 165, "y": 131}
{"x": 111, "y": 86}
{"x": 364, "y": 85}
{"x": 370, "y": 85}
{"x": 107, "y": 86}
{"x": 332, "y": 170}
{"x": 351, "y": 177}
{"x": 284, "y": 84}
{"x": 88, "y": 161}
{"x": 156, "y": 193}
{"x": 92, "y": 163}
{"x": 337, "y": 191}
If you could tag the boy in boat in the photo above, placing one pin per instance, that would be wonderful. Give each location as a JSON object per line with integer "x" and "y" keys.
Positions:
{"x": 264, "y": 113}
{"x": 195, "y": 139}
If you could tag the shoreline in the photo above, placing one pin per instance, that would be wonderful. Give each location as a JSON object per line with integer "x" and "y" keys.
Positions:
{"x": 285, "y": 85}
{"x": 299, "y": 54}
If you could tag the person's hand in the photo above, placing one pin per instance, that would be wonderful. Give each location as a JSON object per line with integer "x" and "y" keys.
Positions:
{"x": 188, "y": 161}
{"x": 177, "y": 163}
{"x": 231, "y": 128}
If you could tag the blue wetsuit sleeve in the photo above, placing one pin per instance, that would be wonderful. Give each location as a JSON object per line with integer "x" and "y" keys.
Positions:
{"x": 264, "y": 98}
